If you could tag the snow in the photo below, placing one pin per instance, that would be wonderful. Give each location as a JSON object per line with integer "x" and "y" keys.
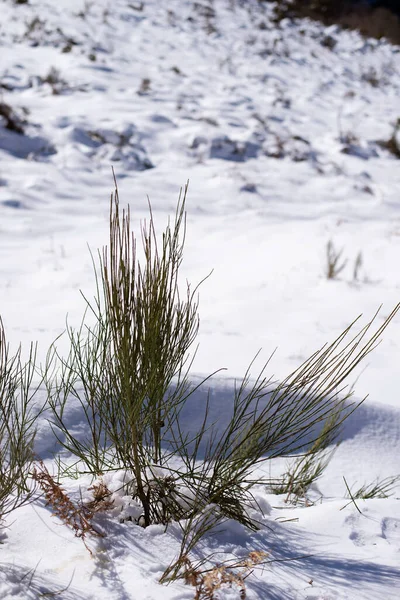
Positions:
{"x": 277, "y": 132}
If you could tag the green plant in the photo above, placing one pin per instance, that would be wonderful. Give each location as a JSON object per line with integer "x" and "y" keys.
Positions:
{"x": 80, "y": 377}
{"x": 17, "y": 427}
{"x": 304, "y": 412}
{"x": 307, "y": 468}
{"x": 358, "y": 263}
{"x": 121, "y": 369}
{"x": 381, "y": 488}
{"x": 128, "y": 370}
{"x": 334, "y": 264}
{"x": 334, "y": 267}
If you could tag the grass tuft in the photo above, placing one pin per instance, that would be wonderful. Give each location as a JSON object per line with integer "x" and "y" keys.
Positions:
{"x": 17, "y": 427}
{"x": 334, "y": 264}
{"x": 381, "y": 488}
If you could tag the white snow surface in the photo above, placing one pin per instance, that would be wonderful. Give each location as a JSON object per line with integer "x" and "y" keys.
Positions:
{"x": 278, "y": 130}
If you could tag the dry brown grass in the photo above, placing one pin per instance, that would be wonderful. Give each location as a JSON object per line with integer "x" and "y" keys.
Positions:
{"x": 101, "y": 498}
{"x": 232, "y": 575}
{"x": 77, "y": 517}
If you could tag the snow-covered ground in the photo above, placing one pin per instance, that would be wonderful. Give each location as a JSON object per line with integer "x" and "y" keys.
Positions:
{"x": 278, "y": 129}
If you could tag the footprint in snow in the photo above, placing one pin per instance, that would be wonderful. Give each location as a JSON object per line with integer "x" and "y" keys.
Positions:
{"x": 372, "y": 532}
{"x": 391, "y": 531}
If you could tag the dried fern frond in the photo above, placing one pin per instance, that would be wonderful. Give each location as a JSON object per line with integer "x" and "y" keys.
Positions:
{"x": 78, "y": 518}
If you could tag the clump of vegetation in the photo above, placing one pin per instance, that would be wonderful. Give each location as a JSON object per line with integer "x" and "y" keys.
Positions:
{"x": 328, "y": 41}
{"x": 34, "y": 28}
{"x": 381, "y": 488}
{"x": 122, "y": 370}
{"x": 145, "y": 87}
{"x": 393, "y": 143}
{"x": 17, "y": 427}
{"x": 11, "y": 119}
{"x": 231, "y": 575}
{"x": 55, "y": 81}
{"x": 305, "y": 470}
{"x": 334, "y": 262}
{"x": 128, "y": 369}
